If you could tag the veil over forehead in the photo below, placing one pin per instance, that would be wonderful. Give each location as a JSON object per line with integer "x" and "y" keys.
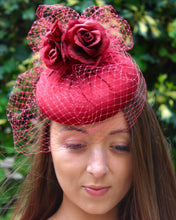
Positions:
{"x": 84, "y": 74}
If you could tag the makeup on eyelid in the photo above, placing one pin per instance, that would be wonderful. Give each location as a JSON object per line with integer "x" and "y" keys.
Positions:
{"x": 76, "y": 141}
{"x": 118, "y": 148}
{"x": 120, "y": 145}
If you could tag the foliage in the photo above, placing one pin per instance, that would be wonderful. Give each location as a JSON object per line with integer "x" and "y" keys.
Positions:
{"x": 163, "y": 100}
{"x": 154, "y": 29}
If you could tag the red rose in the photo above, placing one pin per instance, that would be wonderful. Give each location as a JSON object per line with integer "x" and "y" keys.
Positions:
{"x": 85, "y": 41}
{"x": 51, "y": 52}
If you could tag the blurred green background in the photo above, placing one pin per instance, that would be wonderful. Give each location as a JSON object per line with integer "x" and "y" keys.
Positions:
{"x": 153, "y": 23}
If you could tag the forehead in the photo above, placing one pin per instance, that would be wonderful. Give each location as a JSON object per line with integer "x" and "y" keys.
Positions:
{"x": 115, "y": 123}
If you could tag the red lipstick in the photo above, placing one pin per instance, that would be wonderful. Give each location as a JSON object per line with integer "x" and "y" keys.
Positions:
{"x": 96, "y": 190}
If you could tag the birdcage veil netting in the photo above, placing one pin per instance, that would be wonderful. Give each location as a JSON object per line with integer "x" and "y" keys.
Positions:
{"x": 84, "y": 75}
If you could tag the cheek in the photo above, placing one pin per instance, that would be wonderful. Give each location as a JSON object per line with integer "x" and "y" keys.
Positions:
{"x": 67, "y": 167}
{"x": 62, "y": 169}
{"x": 123, "y": 178}
{"x": 124, "y": 172}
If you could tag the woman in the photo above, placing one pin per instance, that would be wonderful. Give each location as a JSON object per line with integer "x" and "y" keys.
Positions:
{"x": 82, "y": 111}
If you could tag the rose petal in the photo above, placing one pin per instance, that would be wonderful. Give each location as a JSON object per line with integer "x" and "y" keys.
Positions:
{"x": 56, "y": 32}
{"x": 51, "y": 56}
{"x": 90, "y": 51}
{"x": 79, "y": 55}
{"x": 97, "y": 37}
{"x": 72, "y": 28}
{"x": 85, "y": 36}
{"x": 79, "y": 40}
{"x": 85, "y": 41}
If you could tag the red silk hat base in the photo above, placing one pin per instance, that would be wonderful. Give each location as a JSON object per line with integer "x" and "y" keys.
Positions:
{"x": 93, "y": 96}
{"x": 84, "y": 75}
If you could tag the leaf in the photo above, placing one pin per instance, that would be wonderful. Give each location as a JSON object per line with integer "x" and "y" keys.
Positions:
{"x": 72, "y": 2}
{"x": 127, "y": 14}
{"x": 10, "y": 7}
{"x": 10, "y": 65}
{"x": 162, "y": 78}
{"x": 165, "y": 112}
{"x": 10, "y": 83}
{"x": 150, "y": 20}
{"x": 21, "y": 52}
{"x": 163, "y": 52}
{"x": 171, "y": 25}
{"x": 8, "y": 216}
{"x": 155, "y": 31}
{"x": 5, "y": 197}
{"x": 148, "y": 57}
{"x": 84, "y": 4}
{"x": 2, "y": 71}
{"x": 162, "y": 4}
{"x": 132, "y": 7}
{"x": 29, "y": 14}
{"x": 2, "y": 35}
{"x": 3, "y": 102}
{"x": 3, "y": 49}
{"x": 142, "y": 64}
{"x": 117, "y": 1}
{"x": 51, "y": 2}
{"x": 172, "y": 94}
{"x": 173, "y": 57}
{"x": 8, "y": 148}
{"x": 172, "y": 33}
{"x": 3, "y": 121}
{"x": 160, "y": 99}
{"x": 151, "y": 97}
{"x": 143, "y": 29}
{"x": 22, "y": 164}
{"x": 2, "y": 175}
{"x": 4, "y": 23}
{"x": 100, "y": 2}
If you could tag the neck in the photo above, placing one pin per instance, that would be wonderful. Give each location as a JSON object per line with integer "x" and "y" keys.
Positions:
{"x": 68, "y": 210}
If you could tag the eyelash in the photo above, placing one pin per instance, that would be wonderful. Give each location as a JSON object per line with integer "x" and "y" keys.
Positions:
{"x": 80, "y": 146}
{"x": 121, "y": 148}
{"x": 74, "y": 146}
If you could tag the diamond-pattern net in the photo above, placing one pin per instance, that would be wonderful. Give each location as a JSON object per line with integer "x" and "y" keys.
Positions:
{"x": 79, "y": 94}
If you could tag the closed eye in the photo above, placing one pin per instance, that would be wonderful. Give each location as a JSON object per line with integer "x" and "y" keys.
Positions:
{"x": 74, "y": 146}
{"x": 121, "y": 148}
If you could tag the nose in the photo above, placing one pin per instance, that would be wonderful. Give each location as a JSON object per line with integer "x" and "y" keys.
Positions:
{"x": 97, "y": 163}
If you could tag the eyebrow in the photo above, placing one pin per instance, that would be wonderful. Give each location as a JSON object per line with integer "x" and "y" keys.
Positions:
{"x": 72, "y": 128}
{"x": 125, "y": 130}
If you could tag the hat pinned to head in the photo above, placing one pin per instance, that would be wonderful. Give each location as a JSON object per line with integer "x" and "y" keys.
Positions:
{"x": 84, "y": 74}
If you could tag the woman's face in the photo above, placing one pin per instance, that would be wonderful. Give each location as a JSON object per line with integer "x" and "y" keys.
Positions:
{"x": 93, "y": 164}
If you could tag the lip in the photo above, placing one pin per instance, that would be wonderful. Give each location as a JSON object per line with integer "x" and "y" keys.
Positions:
{"x": 96, "y": 191}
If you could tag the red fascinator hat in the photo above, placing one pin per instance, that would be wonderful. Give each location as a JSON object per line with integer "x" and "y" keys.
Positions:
{"x": 84, "y": 74}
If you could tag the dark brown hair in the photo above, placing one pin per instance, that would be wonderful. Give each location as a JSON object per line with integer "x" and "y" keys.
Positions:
{"x": 152, "y": 196}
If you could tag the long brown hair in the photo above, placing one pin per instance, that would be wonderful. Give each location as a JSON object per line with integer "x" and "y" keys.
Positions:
{"x": 152, "y": 196}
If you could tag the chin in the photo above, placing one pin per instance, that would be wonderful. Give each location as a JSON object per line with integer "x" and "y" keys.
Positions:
{"x": 98, "y": 210}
